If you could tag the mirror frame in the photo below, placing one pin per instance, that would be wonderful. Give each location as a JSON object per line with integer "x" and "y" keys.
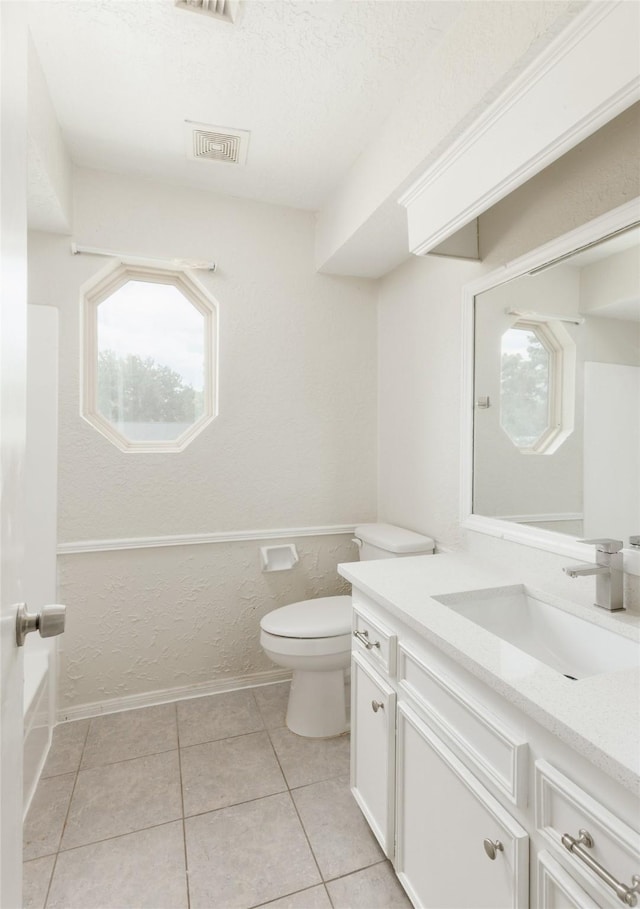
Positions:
{"x": 618, "y": 219}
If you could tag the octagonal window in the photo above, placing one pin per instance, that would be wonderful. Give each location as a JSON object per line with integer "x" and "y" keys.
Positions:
{"x": 149, "y": 358}
{"x": 537, "y": 373}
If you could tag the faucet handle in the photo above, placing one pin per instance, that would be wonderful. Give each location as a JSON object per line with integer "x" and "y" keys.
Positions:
{"x": 605, "y": 545}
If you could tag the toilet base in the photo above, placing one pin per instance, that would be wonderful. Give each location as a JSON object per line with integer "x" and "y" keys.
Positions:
{"x": 317, "y": 707}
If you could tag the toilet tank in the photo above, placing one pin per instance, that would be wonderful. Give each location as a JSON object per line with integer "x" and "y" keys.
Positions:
{"x": 384, "y": 541}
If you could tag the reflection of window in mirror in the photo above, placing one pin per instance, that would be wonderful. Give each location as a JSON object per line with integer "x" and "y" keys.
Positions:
{"x": 531, "y": 387}
{"x": 559, "y": 346}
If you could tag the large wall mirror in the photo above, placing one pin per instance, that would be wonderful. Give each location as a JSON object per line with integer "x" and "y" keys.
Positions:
{"x": 554, "y": 389}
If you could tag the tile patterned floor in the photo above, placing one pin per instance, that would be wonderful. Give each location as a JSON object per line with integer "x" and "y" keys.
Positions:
{"x": 209, "y": 803}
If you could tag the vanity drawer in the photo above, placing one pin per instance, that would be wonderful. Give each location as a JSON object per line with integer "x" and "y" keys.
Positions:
{"x": 564, "y": 808}
{"x": 494, "y": 752}
{"x": 375, "y": 642}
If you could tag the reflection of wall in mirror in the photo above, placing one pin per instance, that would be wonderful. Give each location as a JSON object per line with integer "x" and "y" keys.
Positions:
{"x": 547, "y": 490}
{"x": 611, "y": 451}
{"x": 610, "y": 297}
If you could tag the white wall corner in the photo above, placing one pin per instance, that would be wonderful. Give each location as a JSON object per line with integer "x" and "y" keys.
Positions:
{"x": 50, "y": 169}
{"x": 464, "y": 244}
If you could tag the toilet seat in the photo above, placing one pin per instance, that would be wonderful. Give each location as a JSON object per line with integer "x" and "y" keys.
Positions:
{"x": 311, "y": 647}
{"x": 320, "y": 618}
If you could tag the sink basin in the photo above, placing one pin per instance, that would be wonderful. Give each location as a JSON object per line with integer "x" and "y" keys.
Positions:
{"x": 567, "y": 643}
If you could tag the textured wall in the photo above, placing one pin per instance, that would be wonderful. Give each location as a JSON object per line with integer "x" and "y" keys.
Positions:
{"x": 420, "y": 328}
{"x": 154, "y": 619}
{"x": 596, "y": 176}
{"x": 295, "y": 441}
{"x": 294, "y": 444}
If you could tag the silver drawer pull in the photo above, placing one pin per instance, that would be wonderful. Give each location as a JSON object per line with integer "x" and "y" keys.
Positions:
{"x": 627, "y": 895}
{"x": 363, "y": 636}
{"x": 377, "y": 705}
{"x": 492, "y": 847}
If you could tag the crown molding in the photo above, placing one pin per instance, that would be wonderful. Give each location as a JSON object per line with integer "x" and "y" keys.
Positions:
{"x": 563, "y": 92}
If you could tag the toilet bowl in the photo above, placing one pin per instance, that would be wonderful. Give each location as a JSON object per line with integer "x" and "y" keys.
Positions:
{"x": 313, "y": 638}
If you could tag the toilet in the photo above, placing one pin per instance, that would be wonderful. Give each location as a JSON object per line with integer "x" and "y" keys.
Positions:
{"x": 313, "y": 638}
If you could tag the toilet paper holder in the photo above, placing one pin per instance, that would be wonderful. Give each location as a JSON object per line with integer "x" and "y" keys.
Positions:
{"x": 278, "y": 558}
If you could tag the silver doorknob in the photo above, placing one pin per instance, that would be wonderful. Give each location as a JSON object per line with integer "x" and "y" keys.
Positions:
{"x": 377, "y": 705}
{"x": 492, "y": 847}
{"x": 49, "y": 621}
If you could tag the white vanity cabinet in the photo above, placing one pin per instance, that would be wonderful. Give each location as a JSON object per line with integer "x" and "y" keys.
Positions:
{"x": 373, "y": 727}
{"x": 373, "y": 735}
{"x": 557, "y": 889}
{"x": 456, "y": 846}
{"x": 470, "y": 798}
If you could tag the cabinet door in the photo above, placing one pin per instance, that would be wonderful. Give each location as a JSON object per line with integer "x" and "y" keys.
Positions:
{"x": 373, "y": 705}
{"x": 444, "y": 817}
{"x": 557, "y": 889}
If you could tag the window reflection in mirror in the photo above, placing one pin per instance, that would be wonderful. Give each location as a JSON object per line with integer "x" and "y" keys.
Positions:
{"x": 526, "y": 377}
{"x": 557, "y": 359}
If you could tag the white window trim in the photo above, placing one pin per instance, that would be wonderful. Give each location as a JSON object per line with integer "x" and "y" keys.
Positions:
{"x": 562, "y": 367}
{"x": 98, "y": 289}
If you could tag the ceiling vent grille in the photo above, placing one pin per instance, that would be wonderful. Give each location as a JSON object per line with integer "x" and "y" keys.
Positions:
{"x": 215, "y": 143}
{"x": 225, "y": 10}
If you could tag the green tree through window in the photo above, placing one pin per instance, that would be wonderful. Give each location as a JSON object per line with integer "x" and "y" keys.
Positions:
{"x": 133, "y": 389}
{"x": 525, "y": 380}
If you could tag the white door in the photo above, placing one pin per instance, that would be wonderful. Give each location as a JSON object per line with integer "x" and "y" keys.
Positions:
{"x": 13, "y": 324}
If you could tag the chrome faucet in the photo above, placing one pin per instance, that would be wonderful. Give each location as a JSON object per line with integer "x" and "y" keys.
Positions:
{"x": 608, "y": 571}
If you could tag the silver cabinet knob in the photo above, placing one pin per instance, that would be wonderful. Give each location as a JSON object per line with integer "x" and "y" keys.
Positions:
{"x": 492, "y": 847}
{"x": 377, "y": 705}
{"x": 49, "y": 621}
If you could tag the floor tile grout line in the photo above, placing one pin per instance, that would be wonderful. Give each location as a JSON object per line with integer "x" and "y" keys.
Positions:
{"x": 227, "y": 738}
{"x": 218, "y": 694}
{"x": 324, "y": 779}
{"x": 326, "y": 890}
{"x": 258, "y": 798}
{"x": 184, "y": 832}
{"x": 273, "y": 748}
{"x": 339, "y": 877}
{"x": 66, "y": 817}
{"x": 306, "y": 836}
{"x": 118, "y": 836}
{"x": 284, "y": 896}
{"x": 124, "y": 760}
{"x": 295, "y": 808}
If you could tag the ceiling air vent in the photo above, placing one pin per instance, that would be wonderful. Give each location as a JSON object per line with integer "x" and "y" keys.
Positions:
{"x": 216, "y": 143}
{"x": 225, "y": 10}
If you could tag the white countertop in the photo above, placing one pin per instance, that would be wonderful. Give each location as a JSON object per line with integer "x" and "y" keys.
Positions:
{"x": 598, "y": 716}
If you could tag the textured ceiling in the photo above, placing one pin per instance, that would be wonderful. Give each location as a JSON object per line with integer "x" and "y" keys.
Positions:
{"x": 312, "y": 81}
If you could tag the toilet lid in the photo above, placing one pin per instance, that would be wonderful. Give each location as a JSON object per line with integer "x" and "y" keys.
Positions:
{"x": 324, "y": 617}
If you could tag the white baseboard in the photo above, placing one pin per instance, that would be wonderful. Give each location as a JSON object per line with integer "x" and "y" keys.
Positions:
{"x": 166, "y": 695}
